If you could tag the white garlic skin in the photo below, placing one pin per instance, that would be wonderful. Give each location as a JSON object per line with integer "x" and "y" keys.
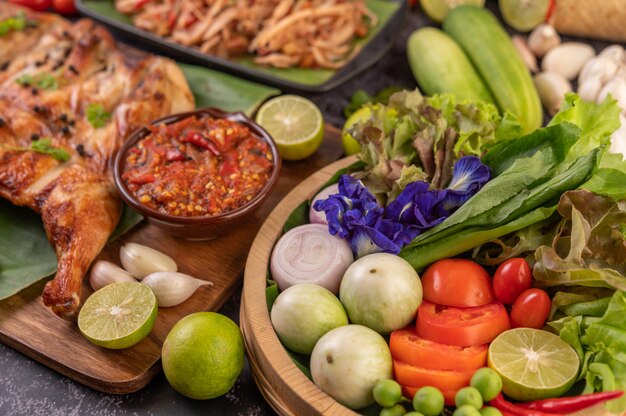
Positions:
{"x": 527, "y": 56}
{"x": 140, "y": 260}
{"x": 617, "y": 88}
{"x": 171, "y": 289}
{"x": 104, "y": 273}
{"x": 552, "y": 88}
{"x": 567, "y": 59}
{"x": 542, "y": 39}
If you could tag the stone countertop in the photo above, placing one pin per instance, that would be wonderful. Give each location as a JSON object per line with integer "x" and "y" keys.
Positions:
{"x": 30, "y": 389}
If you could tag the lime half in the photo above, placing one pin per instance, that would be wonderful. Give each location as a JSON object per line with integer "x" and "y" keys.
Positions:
{"x": 533, "y": 364}
{"x": 438, "y": 9}
{"x": 118, "y": 315}
{"x": 524, "y": 15}
{"x": 295, "y": 124}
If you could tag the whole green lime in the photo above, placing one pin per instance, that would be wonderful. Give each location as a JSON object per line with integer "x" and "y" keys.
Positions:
{"x": 203, "y": 355}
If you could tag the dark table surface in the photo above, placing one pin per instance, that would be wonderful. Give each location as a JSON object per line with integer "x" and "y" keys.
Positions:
{"x": 28, "y": 388}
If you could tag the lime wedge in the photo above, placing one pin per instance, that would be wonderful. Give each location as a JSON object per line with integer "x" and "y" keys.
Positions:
{"x": 438, "y": 9}
{"x": 118, "y": 315}
{"x": 524, "y": 15}
{"x": 295, "y": 123}
{"x": 533, "y": 364}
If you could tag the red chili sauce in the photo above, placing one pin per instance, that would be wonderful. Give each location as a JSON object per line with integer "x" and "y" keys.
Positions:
{"x": 197, "y": 167}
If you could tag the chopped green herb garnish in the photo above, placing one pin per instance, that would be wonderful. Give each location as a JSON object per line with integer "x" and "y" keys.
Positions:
{"x": 44, "y": 146}
{"x": 97, "y": 115}
{"x": 42, "y": 80}
{"x": 13, "y": 23}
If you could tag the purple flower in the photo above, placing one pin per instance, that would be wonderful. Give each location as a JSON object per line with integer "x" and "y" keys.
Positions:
{"x": 354, "y": 214}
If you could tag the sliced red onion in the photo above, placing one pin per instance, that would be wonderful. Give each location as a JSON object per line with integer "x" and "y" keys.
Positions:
{"x": 309, "y": 254}
{"x": 319, "y": 217}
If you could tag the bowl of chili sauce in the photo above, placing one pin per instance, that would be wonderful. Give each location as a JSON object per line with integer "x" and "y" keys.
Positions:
{"x": 197, "y": 174}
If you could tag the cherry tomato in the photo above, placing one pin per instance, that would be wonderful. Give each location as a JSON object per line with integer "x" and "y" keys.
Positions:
{"x": 39, "y": 5}
{"x": 457, "y": 282}
{"x": 448, "y": 395}
{"x": 407, "y": 347}
{"x": 64, "y": 6}
{"x": 464, "y": 327}
{"x": 531, "y": 309}
{"x": 511, "y": 279}
{"x": 410, "y": 375}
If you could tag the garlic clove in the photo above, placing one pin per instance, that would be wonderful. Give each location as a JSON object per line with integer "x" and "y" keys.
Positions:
{"x": 542, "y": 39}
{"x": 614, "y": 53}
{"x": 140, "y": 260}
{"x": 616, "y": 86}
{"x": 172, "y": 288}
{"x": 104, "y": 273}
{"x": 567, "y": 59}
{"x": 600, "y": 67}
{"x": 527, "y": 56}
{"x": 552, "y": 88}
{"x": 589, "y": 89}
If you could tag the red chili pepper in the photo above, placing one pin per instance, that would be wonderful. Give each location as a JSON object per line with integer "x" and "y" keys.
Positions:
{"x": 142, "y": 178}
{"x": 501, "y": 404}
{"x": 175, "y": 155}
{"x": 141, "y": 3}
{"x": 199, "y": 140}
{"x": 572, "y": 404}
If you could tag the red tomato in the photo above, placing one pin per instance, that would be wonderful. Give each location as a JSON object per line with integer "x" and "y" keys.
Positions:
{"x": 407, "y": 347}
{"x": 464, "y": 327}
{"x": 64, "y": 6}
{"x": 457, "y": 282}
{"x": 448, "y": 395}
{"x": 409, "y": 375}
{"x": 531, "y": 309}
{"x": 39, "y": 5}
{"x": 511, "y": 279}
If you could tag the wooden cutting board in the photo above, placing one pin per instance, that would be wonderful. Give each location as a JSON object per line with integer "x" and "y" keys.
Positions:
{"x": 29, "y": 327}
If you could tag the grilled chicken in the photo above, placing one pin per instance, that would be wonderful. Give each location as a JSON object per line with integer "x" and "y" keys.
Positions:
{"x": 53, "y": 72}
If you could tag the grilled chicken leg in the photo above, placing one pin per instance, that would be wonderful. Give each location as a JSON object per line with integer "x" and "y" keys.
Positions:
{"x": 83, "y": 68}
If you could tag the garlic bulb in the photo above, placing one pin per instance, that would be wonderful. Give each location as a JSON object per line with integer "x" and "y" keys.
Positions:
{"x": 140, "y": 260}
{"x": 527, "y": 56}
{"x": 567, "y": 59}
{"x": 552, "y": 88}
{"x": 542, "y": 39}
{"x": 589, "y": 89}
{"x": 617, "y": 88}
{"x": 104, "y": 273}
{"x": 599, "y": 67}
{"x": 618, "y": 139}
{"x": 171, "y": 288}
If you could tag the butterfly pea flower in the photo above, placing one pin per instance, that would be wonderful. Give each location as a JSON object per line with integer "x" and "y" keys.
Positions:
{"x": 354, "y": 214}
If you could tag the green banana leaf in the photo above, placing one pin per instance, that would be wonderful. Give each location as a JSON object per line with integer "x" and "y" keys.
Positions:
{"x": 25, "y": 253}
{"x": 307, "y": 76}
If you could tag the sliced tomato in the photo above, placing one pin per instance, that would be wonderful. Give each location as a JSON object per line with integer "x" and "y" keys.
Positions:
{"x": 448, "y": 395}
{"x": 407, "y": 347}
{"x": 410, "y": 375}
{"x": 457, "y": 282}
{"x": 464, "y": 327}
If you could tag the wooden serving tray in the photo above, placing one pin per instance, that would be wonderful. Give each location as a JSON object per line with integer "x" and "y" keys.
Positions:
{"x": 29, "y": 327}
{"x": 285, "y": 387}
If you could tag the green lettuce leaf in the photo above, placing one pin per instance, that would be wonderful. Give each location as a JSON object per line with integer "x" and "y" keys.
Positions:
{"x": 590, "y": 247}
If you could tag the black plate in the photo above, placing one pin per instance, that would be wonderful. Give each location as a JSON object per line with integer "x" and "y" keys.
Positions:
{"x": 373, "y": 51}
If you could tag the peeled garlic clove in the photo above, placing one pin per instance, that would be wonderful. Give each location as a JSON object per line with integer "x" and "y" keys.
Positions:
{"x": 542, "y": 39}
{"x": 589, "y": 89}
{"x": 527, "y": 56}
{"x": 567, "y": 59}
{"x": 104, "y": 273}
{"x": 617, "y": 88}
{"x": 618, "y": 139}
{"x": 552, "y": 88}
{"x": 171, "y": 289}
{"x": 140, "y": 260}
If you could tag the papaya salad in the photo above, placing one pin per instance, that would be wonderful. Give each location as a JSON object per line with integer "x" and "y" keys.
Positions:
{"x": 278, "y": 33}
{"x": 462, "y": 263}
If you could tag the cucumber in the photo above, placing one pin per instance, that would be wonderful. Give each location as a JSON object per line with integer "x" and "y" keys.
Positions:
{"x": 497, "y": 61}
{"x": 440, "y": 65}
